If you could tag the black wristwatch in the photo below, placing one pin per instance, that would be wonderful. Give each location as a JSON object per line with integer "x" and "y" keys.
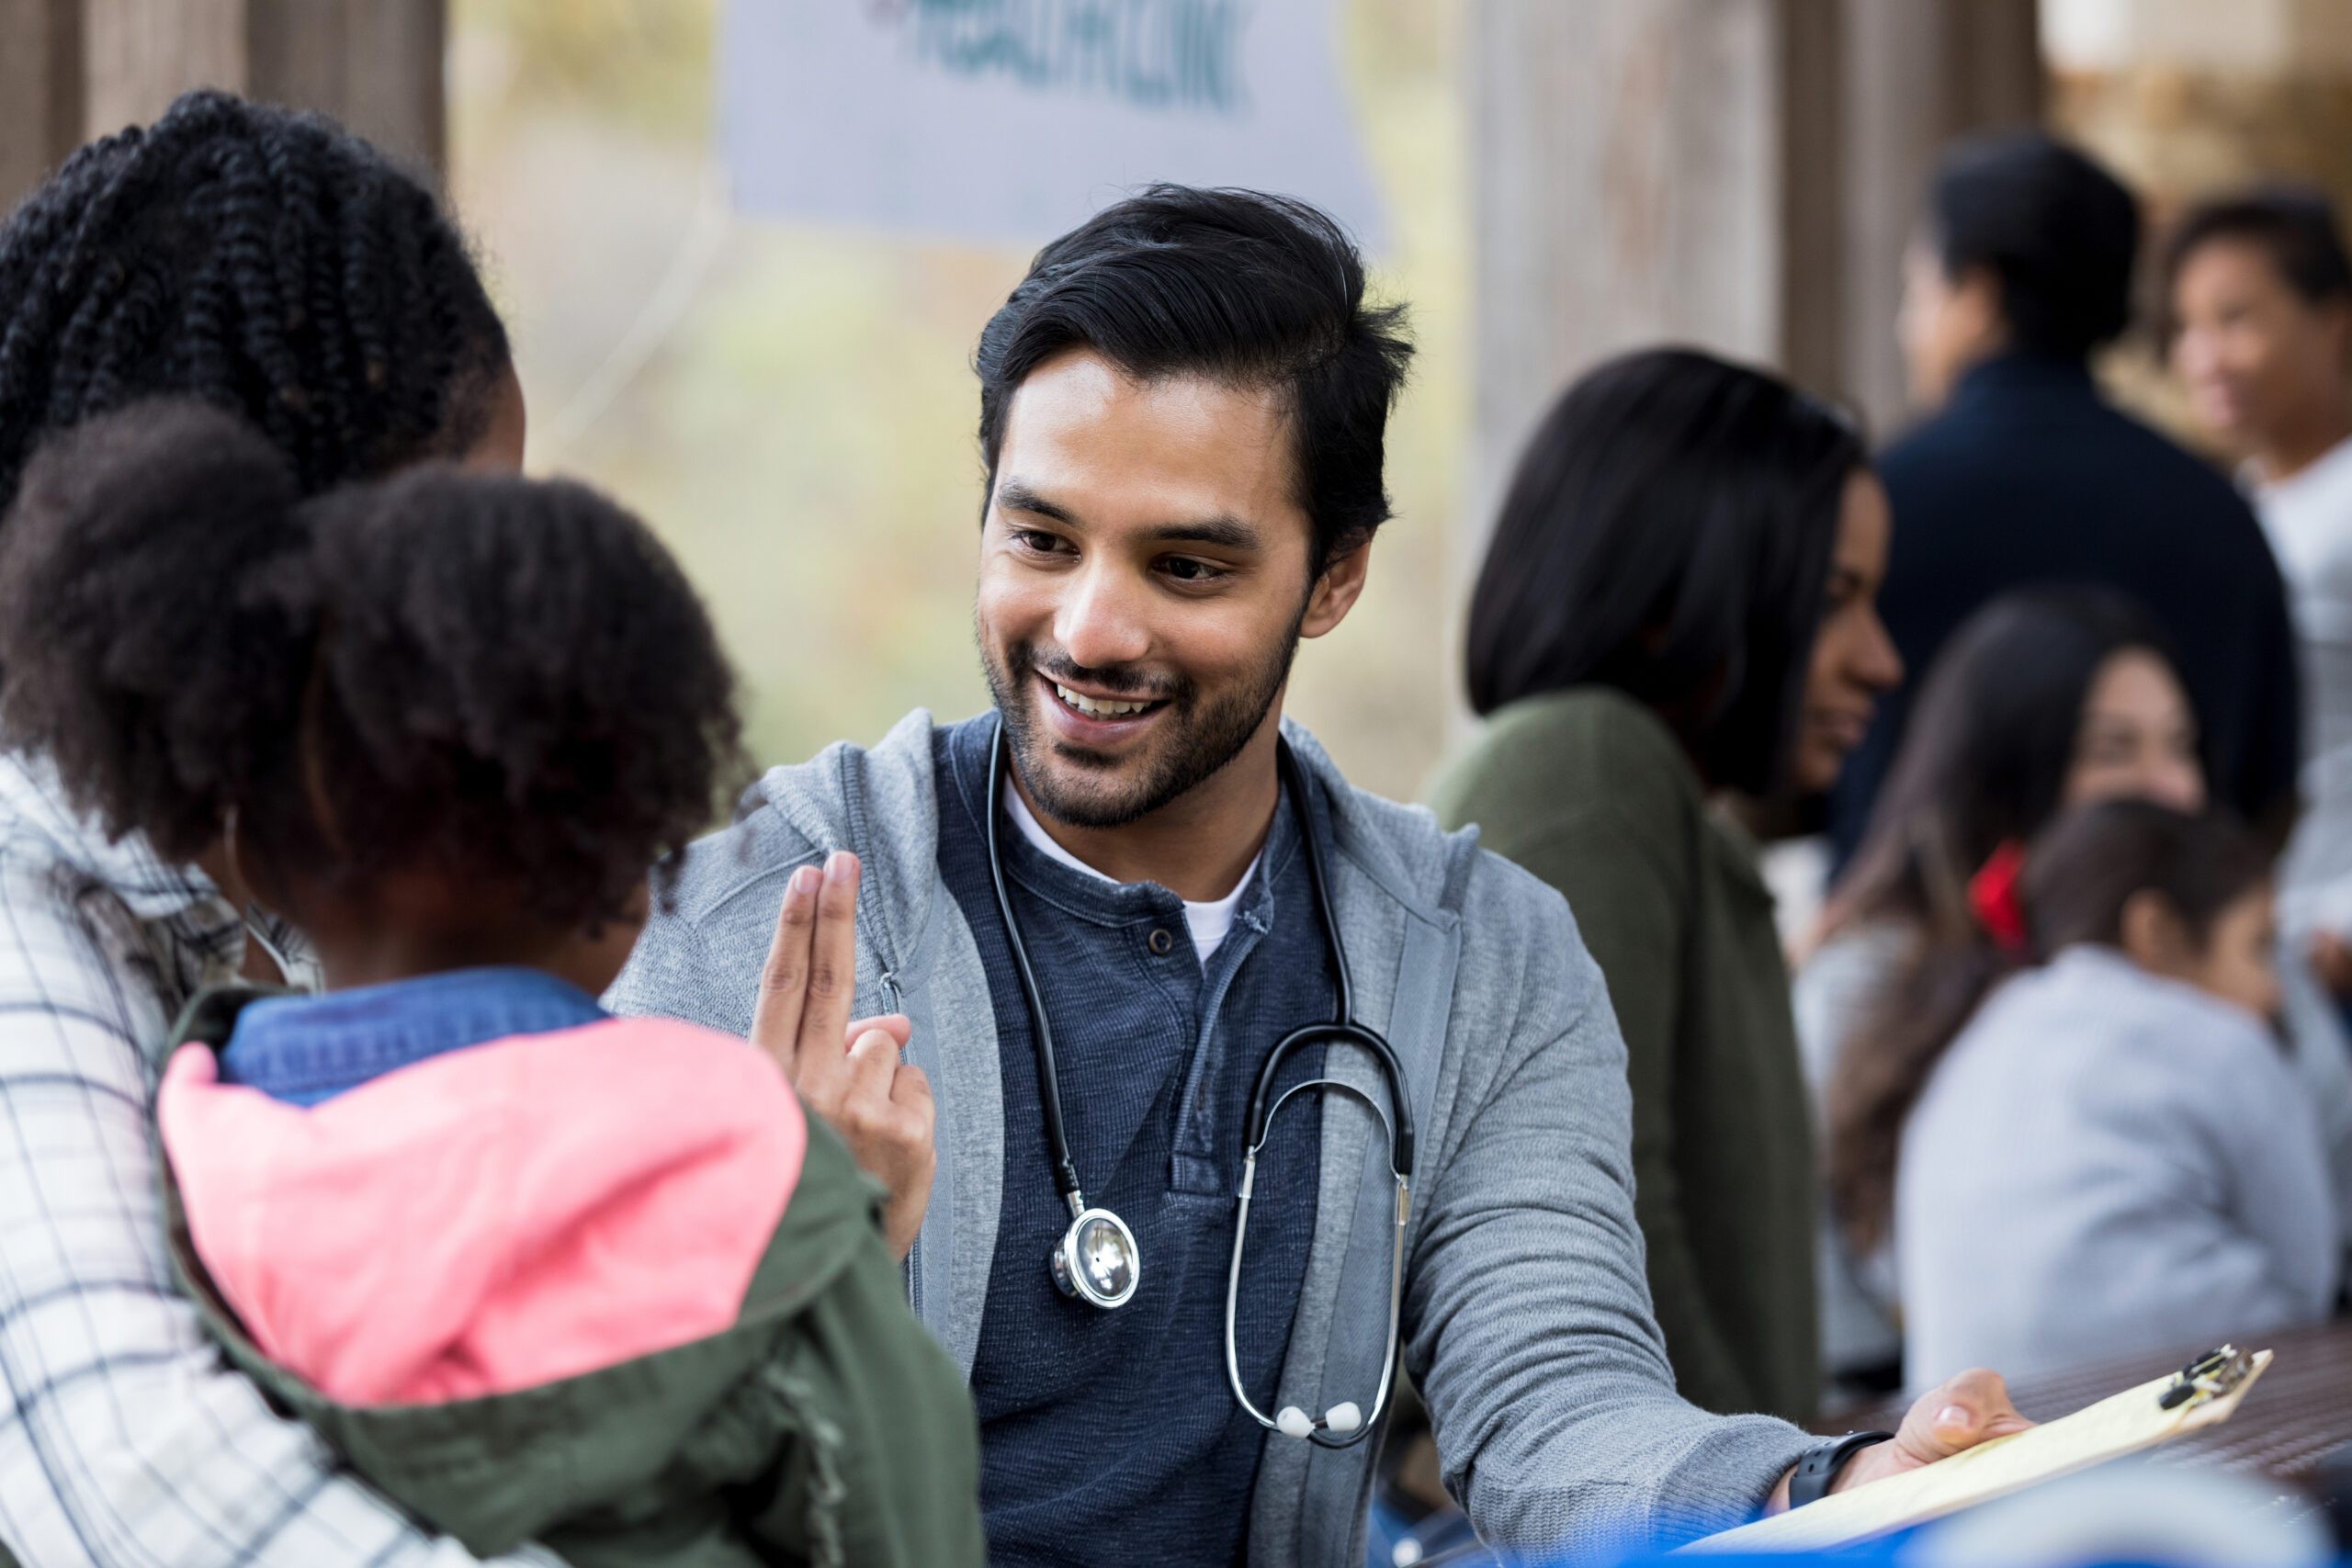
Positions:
{"x": 1817, "y": 1470}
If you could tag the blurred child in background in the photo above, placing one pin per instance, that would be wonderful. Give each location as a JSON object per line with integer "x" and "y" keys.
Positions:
{"x": 537, "y": 1272}
{"x": 2047, "y": 700}
{"x": 2114, "y": 1153}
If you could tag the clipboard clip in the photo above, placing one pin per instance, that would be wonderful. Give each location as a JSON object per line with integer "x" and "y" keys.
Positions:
{"x": 2209, "y": 1376}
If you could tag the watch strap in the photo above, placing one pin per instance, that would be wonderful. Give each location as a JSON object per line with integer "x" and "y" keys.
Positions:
{"x": 1818, "y": 1469}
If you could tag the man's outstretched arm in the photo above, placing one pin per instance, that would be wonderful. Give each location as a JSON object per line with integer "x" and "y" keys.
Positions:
{"x": 1531, "y": 1333}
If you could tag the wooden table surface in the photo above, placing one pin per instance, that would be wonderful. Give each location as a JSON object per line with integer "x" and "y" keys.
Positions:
{"x": 2298, "y": 1413}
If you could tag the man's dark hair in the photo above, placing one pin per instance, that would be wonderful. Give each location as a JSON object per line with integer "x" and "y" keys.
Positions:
{"x": 1251, "y": 289}
{"x": 2294, "y": 225}
{"x": 504, "y": 683}
{"x": 1668, "y": 533}
{"x": 267, "y": 262}
{"x": 2057, "y": 232}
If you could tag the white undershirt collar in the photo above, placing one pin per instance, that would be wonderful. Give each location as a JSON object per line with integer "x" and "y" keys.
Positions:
{"x": 1208, "y": 922}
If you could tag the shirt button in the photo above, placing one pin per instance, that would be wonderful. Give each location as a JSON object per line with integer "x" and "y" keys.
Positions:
{"x": 1161, "y": 943}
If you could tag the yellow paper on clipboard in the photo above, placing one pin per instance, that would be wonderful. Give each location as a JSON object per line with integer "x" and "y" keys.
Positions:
{"x": 2124, "y": 1424}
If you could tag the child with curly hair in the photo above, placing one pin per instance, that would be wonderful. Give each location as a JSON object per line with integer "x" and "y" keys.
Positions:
{"x": 538, "y": 1273}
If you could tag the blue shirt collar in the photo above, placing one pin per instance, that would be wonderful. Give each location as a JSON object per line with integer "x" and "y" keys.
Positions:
{"x": 303, "y": 1050}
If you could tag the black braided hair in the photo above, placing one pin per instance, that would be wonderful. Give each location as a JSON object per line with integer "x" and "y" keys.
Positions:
{"x": 266, "y": 261}
{"x": 503, "y": 683}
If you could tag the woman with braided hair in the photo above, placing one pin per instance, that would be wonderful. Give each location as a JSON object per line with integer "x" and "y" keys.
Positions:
{"x": 267, "y": 262}
{"x": 276, "y": 267}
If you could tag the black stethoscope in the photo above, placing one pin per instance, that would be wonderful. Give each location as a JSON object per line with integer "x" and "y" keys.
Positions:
{"x": 1097, "y": 1260}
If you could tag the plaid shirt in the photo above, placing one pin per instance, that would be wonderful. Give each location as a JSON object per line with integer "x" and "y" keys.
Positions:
{"x": 125, "y": 1439}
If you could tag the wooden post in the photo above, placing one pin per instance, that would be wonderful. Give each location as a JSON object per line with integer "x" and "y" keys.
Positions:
{"x": 74, "y": 69}
{"x": 1915, "y": 74}
{"x": 374, "y": 64}
{"x": 40, "y": 90}
{"x": 1741, "y": 175}
{"x": 1626, "y": 189}
{"x": 138, "y": 55}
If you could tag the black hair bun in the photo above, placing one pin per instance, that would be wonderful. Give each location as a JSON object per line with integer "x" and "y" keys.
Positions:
{"x": 146, "y": 640}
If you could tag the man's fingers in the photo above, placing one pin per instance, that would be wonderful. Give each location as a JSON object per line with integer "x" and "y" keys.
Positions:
{"x": 911, "y": 1087}
{"x": 897, "y": 1025}
{"x": 1972, "y": 1408}
{"x": 784, "y": 978}
{"x": 832, "y": 960}
{"x": 873, "y": 1064}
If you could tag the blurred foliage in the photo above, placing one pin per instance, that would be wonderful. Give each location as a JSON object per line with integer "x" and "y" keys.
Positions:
{"x": 792, "y": 406}
{"x": 645, "y": 62}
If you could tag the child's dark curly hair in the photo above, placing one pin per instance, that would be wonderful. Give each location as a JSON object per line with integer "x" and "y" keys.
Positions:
{"x": 494, "y": 680}
{"x": 267, "y": 262}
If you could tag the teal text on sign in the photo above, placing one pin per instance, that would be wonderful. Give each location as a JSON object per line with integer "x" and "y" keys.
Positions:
{"x": 1171, "y": 54}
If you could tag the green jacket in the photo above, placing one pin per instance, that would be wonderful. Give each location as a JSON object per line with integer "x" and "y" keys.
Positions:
{"x": 826, "y": 1426}
{"x": 1592, "y": 791}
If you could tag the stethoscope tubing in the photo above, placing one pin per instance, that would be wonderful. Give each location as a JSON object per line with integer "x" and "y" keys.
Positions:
{"x": 1342, "y": 1030}
{"x": 1049, "y": 1084}
{"x": 1320, "y": 1435}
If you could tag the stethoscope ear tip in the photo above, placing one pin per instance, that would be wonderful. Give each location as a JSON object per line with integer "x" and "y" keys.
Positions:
{"x": 1339, "y": 1420}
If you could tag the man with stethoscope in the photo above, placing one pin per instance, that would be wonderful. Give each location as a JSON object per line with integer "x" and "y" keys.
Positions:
{"x": 1243, "y": 1077}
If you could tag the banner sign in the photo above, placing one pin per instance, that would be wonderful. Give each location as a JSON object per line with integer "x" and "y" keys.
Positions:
{"x": 1012, "y": 121}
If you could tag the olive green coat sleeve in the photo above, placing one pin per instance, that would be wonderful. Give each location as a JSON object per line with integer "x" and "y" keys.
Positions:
{"x": 1625, "y": 868}
{"x": 1593, "y": 794}
{"x": 885, "y": 1466}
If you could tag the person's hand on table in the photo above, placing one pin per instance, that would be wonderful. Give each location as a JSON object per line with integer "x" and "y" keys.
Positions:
{"x": 847, "y": 1072}
{"x": 1970, "y": 1409}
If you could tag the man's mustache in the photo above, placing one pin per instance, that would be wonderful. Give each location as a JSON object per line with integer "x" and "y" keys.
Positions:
{"x": 1126, "y": 684}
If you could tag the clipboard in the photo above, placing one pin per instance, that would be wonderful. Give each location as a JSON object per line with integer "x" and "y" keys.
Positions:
{"x": 2204, "y": 1394}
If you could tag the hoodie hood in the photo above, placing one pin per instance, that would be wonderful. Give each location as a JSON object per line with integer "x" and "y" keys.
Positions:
{"x": 496, "y": 1218}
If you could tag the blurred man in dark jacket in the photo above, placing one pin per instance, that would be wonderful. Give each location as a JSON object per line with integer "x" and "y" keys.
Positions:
{"x": 2024, "y": 474}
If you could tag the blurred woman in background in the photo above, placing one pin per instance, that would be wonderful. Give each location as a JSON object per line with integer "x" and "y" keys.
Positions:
{"x": 2154, "y": 1178}
{"x": 2043, "y": 699}
{"x": 2046, "y": 700}
{"x": 1676, "y": 613}
{"x": 2259, "y": 291}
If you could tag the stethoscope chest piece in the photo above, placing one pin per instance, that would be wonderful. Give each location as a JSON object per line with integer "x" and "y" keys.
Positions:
{"x": 1097, "y": 1260}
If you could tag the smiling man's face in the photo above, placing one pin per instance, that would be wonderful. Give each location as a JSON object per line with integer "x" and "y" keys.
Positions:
{"x": 1144, "y": 578}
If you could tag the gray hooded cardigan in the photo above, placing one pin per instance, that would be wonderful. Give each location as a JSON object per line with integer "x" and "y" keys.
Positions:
{"x": 1527, "y": 1316}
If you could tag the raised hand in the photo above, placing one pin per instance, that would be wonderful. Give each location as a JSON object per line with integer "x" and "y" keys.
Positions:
{"x": 849, "y": 1073}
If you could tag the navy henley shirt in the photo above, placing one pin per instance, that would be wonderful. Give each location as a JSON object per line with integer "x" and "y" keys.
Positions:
{"x": 1112, "y": 1437}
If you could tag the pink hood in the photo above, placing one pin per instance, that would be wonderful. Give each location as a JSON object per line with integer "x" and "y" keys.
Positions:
{"x": 494, "y": 1218}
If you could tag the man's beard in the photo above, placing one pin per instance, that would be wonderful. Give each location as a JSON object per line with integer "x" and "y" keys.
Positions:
{"x": 1199, "y": 736}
